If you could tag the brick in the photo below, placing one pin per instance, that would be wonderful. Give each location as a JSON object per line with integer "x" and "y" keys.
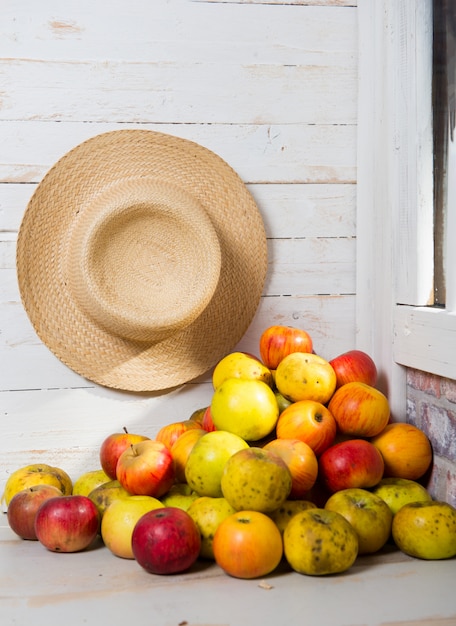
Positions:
{"x": 440, "y": 426}
{"x": 412, "y": 416}
{"x": 448, "y": 389}
{"x": 428, "y": 383}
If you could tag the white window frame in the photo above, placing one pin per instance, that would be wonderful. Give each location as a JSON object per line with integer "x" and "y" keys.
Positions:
{"x": 395, "y": 200}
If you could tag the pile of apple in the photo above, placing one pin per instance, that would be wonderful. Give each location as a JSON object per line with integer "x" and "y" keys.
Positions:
{"x": 295, "y": 459}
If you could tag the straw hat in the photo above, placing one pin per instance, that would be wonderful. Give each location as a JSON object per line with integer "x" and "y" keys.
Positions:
{"x": 141, "y": 259}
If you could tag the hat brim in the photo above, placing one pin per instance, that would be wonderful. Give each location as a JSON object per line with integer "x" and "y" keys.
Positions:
{"x": 74, "y": 181}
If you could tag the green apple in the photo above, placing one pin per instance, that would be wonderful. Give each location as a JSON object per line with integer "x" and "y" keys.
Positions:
{"x": 318, "y": 542}
{"x": 89, "y": 481}
{"x": 206, "y": 461}
{"x": 256, "y": 479}
{"x": 119, "y": 520}
{"x": 397, "y": 492}
{"x": 180, "y": 495}
{"x": 247, "y": 408}
{"x": 289, "y": 508}
{"x": 369, "y": 515}
{"x": 105, "y": 494}
{"x": 208, "y": 513}
{"x": 426, "y": 530}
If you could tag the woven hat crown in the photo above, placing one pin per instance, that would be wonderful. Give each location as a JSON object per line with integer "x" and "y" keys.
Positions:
{"x": 143, "y": 259}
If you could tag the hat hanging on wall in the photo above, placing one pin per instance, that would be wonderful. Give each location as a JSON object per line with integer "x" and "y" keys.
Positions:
{"x": 141, "y": 259}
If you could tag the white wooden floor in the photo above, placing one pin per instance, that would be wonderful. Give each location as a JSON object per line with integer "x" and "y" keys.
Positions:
{"x": 41, "y": 588}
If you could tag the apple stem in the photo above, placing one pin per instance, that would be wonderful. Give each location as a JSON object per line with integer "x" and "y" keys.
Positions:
{"x": 125, "y": 430}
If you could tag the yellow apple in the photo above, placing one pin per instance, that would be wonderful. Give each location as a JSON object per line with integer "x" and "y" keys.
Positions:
{"x": 103, "y": 495}
{"x": 256, "y": 479}
{"x": 36, "y": 474}
{"x": 119, "y": 520}
{"x": 305, "y": 376}
{"x": 369, "y": 515}
{"x": 208, "y": 513}
{"x": 247, "y": 408}
{"x": 426, "y": 530}
{"x": 180, "y": 495}
{"x": 89, "y": 481}
{"x": 397, "y": 492}
{"x": 289, "y": 508}
{"x": 205, "y": 463}
{"x": 318, "y": 542}
{"x": 241, "y": 365}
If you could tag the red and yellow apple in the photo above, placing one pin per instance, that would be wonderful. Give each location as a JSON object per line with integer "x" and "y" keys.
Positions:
{"x": 300, "y": 460}
{"x": 311, "y": 422}
{"x": 359, "y": 410}
{"x": 181, "y": 449}
{"x": 354, "y": 366}
{"x": 277, "y": 342}
{"x": 113, "y": 446}
{"x": 67, "y": 523}
{"x": 146, "y": 468}
{"x": 406, "y": 450}
{"x": 169, "y": 433}
{"x": 351, "y": 463}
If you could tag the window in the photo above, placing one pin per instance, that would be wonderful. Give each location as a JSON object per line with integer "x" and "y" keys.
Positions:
{"x": 397, "y": 321}
{"x": 444, "y": 120}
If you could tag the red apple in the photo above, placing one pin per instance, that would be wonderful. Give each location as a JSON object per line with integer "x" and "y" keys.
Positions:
{"x": 23, "y": 507}
{"x": 359, "y": 410}
{"x": 67, "y": 523}
{"x": 277, "y": 341}
{"x": 354, "y": 366}
{"x": 166, "y": 541}
{"x": 113, "y": 446}
{"x": 146, "y": 469}
{"x": 351, "y": 463}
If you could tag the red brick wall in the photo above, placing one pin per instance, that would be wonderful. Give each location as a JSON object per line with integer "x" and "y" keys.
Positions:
{"x": 431, "y": 405}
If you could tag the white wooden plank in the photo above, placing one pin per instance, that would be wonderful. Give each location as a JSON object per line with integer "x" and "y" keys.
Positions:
{"x": 178, "y": 31}
{"x": 329, "y": 3}
{"x": 376, "y": 196}
{"x": 264, "y": 153}
{"x": 311, "y": 266}
{"x": 289, "y": 210}
{"x": 194, "y": 93}
{"x": 425, "y": 338}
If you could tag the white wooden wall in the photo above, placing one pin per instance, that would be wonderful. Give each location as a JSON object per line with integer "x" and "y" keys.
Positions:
{"x": 270, "y": 86}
